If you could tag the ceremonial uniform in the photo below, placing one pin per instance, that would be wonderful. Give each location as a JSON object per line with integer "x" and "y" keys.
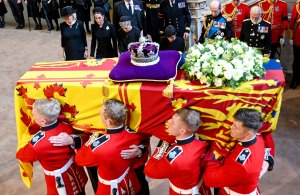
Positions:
{"x": 181, "y": 164}
{"x": 236, "y": 15}
{"x": 60, "y": 170}
{"x": 176, "y": 13}
{"x": 257, "y": 35}
{"x": 240, "y": 170}
{"x": 295, "y": 36}
{"x": 276, "y": 14}
{"x": 115, "y": 174}
{"x": 152, "y": 18}
{"x": 269, "y": 149}
{"x": 215, "y": 26}
{"x": 135, "y": 11}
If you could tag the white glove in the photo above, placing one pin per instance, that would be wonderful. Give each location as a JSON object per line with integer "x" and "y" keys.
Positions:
{"x": 281, "y": 41}
{"x": 291, "y": 42}
{"x": 264, "y": 168}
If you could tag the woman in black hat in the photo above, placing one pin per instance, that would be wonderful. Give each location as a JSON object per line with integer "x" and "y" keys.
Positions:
{"x": 103, "y": 35}
{"x": 73, "y": 38}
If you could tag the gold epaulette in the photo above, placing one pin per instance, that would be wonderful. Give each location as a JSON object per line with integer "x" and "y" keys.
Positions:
{"x": 246, "y": 20}
{"x": 226, "y": 3}
{"x": 262, "y": 1}
{"x": 267, "y": 22}
{"x": 206, "y": 15}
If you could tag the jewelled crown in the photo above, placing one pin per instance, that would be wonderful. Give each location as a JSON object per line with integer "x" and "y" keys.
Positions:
{"x": 144, "y": 53}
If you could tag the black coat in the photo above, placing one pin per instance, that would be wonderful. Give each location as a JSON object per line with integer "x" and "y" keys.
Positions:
{"x": 3, "y": 9}
{"x": 177, "y": 44}
{"x": 102, "y": 38}
{"x": 137, "y": 19}
{"x": 124, "y": 38}
{"x": 257, "y": 35}
{"x": 178, "y": 15}
{"x": 73, "y": 40}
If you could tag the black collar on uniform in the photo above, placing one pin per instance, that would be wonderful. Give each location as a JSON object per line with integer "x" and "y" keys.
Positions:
{"x": 115, "y": 130}
{"x": 218, "y": 16}
{"x": 51, "y": 126}
{"x": 249, "y": 142}
{"x": 185, "y": 141}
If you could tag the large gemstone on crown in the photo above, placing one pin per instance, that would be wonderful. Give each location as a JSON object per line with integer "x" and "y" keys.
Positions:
{"x": 144, "y": 53}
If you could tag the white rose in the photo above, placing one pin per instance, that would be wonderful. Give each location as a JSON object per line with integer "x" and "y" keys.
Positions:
{"x": 237, "y": 74}
{"x": 196, "y": 53}
{"x": 217, "y": 70}
{"x": 220, "y": 50}
{"x": 218, "y": 82}
{"x": 198, "y": 75}
{"x": 203, "y": 79}
{"x": 205, "y": 57}
{"x": 200, "y": 47}
{"x": 205, "y": 64}
{"x": 249, "y": 77}
{"x": 228, "y": 74}
{"x": 238, "y": 49}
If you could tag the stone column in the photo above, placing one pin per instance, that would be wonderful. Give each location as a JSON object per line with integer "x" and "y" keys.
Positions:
{"x": 198, "y": 10}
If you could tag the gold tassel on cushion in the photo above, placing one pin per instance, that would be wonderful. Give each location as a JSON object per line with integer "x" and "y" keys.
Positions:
{"x": 105, "y": 88}
{"x": 168, "y": 91}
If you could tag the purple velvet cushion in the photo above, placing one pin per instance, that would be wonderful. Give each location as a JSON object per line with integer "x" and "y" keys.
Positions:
{"x": 164, "y": 70}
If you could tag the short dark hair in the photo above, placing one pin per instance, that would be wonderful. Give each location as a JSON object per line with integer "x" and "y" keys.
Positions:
{"x": 170, "y": 31}
{"x": 250, "y": 118}
{"x": 190, "y": 117}
{"x": 99, "y": 10}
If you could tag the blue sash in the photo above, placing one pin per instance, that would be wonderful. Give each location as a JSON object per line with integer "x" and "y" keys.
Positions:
{"x": 214, "y": 28}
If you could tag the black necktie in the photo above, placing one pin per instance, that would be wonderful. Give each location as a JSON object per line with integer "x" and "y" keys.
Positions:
{"x": 129, "y": 8}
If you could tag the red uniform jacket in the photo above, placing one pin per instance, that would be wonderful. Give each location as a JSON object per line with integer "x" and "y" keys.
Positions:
{"x": 269, "y": 149}
{"x": 236, "y": 15}
{"x": 276, "y": 14}
{"x": 295, "y": 23}
{"x": 181, "y": 164}
{"x": 240, "y": 170}
{"x": 105, "y": 152}
{"x": 53, "y": 157}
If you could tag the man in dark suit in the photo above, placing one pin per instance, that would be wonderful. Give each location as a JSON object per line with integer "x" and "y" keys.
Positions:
{"x": 152, "y": 18}
{"x": 133, "y": 9}
{"x": 17, "y": 8}
{"x": 177, "y": 14}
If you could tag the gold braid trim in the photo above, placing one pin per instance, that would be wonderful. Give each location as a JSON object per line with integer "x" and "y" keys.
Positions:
{"x": 269, "y": 11}
{"x": 298, "y": 10}
{"x": 229, "y": 17}
{"x": 208, "y": 28}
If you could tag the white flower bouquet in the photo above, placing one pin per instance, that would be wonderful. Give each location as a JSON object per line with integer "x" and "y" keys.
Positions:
{"x": 221, "y": 63}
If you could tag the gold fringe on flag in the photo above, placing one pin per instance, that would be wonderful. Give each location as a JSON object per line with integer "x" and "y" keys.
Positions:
{"x": 168, "y": 91}
{"x": 105, "y": 88}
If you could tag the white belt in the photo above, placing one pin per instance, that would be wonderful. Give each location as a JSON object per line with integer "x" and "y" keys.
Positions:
{"x": 229, "y": 191}
{"x": 194, "y": 190}
{"x": 58, "y": 177}
{"x": 114, "y": 183}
